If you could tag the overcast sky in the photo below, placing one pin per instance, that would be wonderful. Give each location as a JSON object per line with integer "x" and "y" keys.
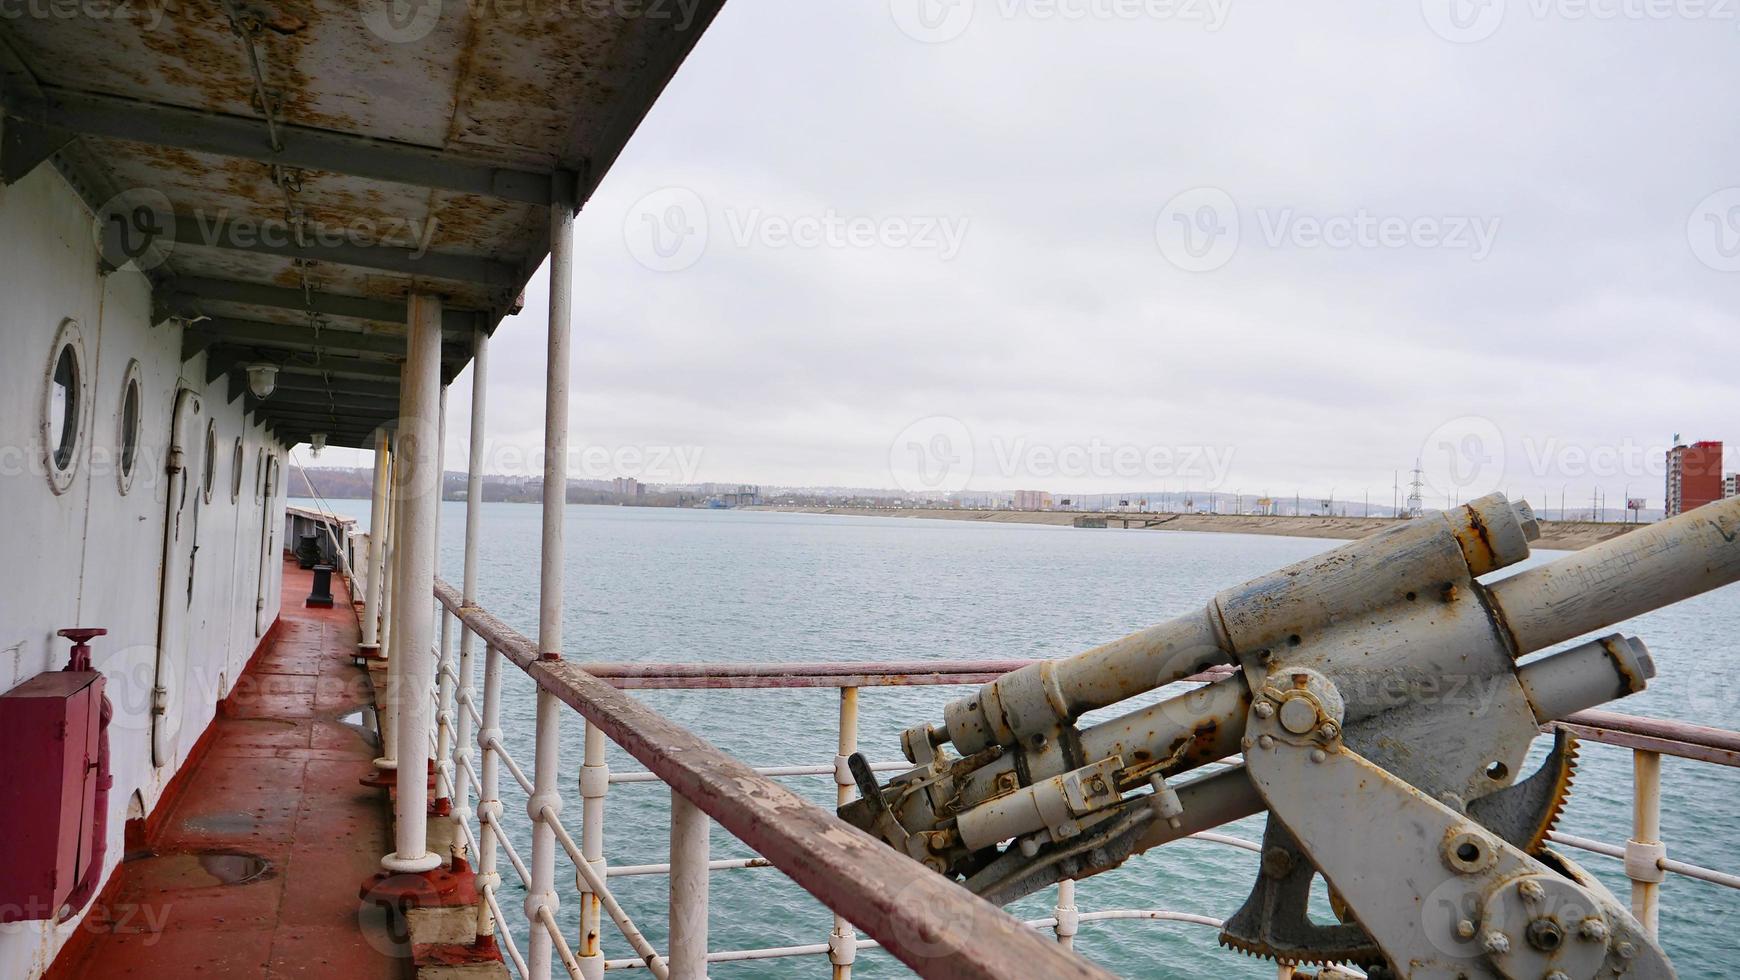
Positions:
{"x": 1097, "y": 244}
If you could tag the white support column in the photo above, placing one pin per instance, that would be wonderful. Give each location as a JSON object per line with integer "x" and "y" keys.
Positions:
{"x": 542, "y": 893}
{"x": 689, "y": 850}
{"x": 462, "y": 737}
{"x": 444, "y": 686}
{"x": 371, "y": 642}
{"x": 411, "y": 669}
{"x": 1644, "y": 852}
{"x": 843, "y": 941}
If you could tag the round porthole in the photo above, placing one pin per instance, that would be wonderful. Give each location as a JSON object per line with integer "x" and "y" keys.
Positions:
{"x": 236, "y": 473}
{"x": 210, "y": 459}
{"x": 132, "y": 395}
{"x": 63, "y": 406}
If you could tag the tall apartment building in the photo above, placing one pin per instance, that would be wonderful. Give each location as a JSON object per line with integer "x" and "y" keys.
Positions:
{"x": 1731, "y": 486}
{"x": 1694, "y": 476}
{"x": 1032, "y": 500}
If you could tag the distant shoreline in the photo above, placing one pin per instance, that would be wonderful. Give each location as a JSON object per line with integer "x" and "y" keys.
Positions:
{"x": 1555, "y": 535}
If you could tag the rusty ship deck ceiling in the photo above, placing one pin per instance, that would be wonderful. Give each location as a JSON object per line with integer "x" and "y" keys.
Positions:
{"x": 298, "y": 168}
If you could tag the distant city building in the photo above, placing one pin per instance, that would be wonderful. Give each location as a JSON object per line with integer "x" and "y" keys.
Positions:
{"x": 1032, "y": 500}
{"x": 1731, "y": 486}
{"x": 1694, "y": 476}
{"x": 739, "y": 496}
{"x": 628, "y": 488}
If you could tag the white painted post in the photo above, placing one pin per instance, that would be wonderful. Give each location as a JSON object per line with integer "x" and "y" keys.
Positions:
{"x": 379, "y": 587}
{"x": 488, "y": 790}
{"x": 843, "y": 941}
{"x": 386, "y": 713}
{"x": 541, "y": 895}
{"x": 444, "y": 686}
{"x": 444, "y": 707}
{"x": 371, "y": 643}
{"x": 1645, "y": 851}
{"x": 594, "y": 783}
{"x": 688, "y": 954}
{"x": 390, "y": 569}
{"x": 1067, "y": 915}
{"x": 412, "y": 669}
{"x": 473, "y": 532}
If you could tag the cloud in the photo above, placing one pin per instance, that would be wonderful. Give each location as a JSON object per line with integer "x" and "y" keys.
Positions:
{"x": 1583, "y": 145}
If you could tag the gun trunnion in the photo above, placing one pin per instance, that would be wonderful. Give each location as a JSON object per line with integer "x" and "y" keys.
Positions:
{"x": 1383, "y": 700}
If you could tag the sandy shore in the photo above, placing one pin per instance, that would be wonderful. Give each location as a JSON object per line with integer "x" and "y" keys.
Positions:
{"x": 1555, "y": 535}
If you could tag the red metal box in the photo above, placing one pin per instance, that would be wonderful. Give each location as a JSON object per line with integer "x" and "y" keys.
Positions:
{"x": 48, "y": 789}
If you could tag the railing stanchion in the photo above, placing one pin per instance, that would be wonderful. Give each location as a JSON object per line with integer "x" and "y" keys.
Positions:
{"x": 462, "y": 737}
{"x": 371, "y": 637}
{"x": 541, "y": 897}
{"x": 1067, "y": 916}
{"x": 389, "y": 524}
{"x": 689, "y": 853}
{"x": 442, "y": 654}
{"x": 386, "y": 713}
{"x": 488, "y": 790}
{"x": 541, "y": 892}
{"x": 594, "y": 784}
{"x": 444, "y": 707}
{"x": 1644, "y": 851}
{"x": 843, "y": 941}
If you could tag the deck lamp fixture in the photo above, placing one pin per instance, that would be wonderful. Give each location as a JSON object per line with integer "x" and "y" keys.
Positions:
{"x": 262, "y": 379}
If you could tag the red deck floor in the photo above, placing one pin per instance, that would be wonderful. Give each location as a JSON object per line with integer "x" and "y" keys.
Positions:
{"x": 277, "y": 782}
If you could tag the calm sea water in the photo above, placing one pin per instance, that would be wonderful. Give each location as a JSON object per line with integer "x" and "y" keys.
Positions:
{"x": 653, "y": 585}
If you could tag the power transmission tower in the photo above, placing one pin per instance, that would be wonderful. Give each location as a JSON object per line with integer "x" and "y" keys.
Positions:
{"x": 1417, "y": 492}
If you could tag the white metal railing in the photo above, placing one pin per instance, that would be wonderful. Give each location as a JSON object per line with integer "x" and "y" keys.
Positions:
{"x": 842, "y": 944}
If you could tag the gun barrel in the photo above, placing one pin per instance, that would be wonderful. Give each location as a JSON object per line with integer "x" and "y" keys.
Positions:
{"x": 1357, "y": 577}
{"x": 1653, "y": 566}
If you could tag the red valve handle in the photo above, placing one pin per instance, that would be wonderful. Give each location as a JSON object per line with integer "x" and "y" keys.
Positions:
{"x": 81, "y": 651}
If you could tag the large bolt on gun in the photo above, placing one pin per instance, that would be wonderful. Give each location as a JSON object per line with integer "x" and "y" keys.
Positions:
{"x": 1379, "y": 696}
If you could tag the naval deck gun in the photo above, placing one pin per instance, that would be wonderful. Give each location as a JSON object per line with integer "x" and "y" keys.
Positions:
{"x": 1378, "y": 700}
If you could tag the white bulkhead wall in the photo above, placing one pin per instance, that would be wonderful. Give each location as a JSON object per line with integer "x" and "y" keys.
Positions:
{"x": 93, "y": 555}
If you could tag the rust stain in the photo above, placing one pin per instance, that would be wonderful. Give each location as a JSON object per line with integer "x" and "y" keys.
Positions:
{"x": 1476, "y": 540}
